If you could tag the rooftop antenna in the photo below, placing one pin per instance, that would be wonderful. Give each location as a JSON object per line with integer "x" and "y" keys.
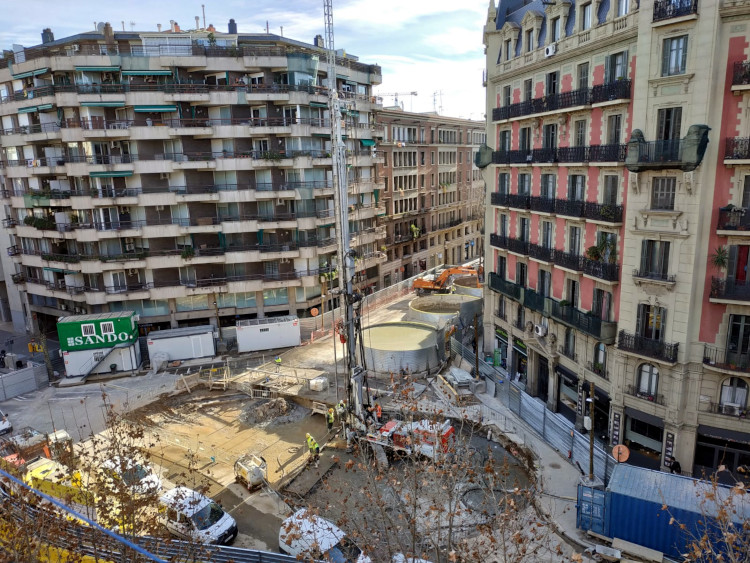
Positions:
{"x": 282, "y": 30}
{"x": 435, "y": 107}
{"x": 123, "y": 25}
{"x": 203, "y": 7}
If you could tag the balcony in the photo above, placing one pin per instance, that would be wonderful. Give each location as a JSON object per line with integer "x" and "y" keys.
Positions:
{"x": 518, "y": 246}
{"x": 598, "y": 369}
{"x": 552, "y": 102}
{"x": 737, "y": 148}
{"x": 602, "y": 212}
{"x": 569, "y": 261}
{"x": 634, "y": 391}
{"x": 592, "y": 153}
{"x": 730, "y": 289}
{"x": 668, "y": 9}
{"x": 647, "y": 347}
{"x": 569, "y": 208}
{"x": 505, "y": 287}
{"x": 733, "y": 218}
{"x": 584, "y": 321}
{"x": 684, "y": 154}
{"x": 498, "y": 198}
{"x": 602, "y": 270}
{"x": 735, "y": 410}
{"x": 518, "y": 201}
{"x": 541, "y": 253}
{"x": 617, "y": 90}
{"x": 18, "y": 279}
{"x": 741, "y": 74}
{"x": 542, "y": 204}
{"x": 640, "y": 274}
{"x": 536, "y": 302}
{"x": 726, "y": 358}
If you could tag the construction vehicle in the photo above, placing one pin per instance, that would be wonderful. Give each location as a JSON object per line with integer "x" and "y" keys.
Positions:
{"x": 250, "y": 470}
{"x": 440, "y": 283}
{"x": 30, "y": 444}
{"x": 424, "y": 437}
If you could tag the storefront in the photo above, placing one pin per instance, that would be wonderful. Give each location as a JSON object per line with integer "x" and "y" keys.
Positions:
{"x": 644, "y": 435}
{"x": 601, "y": 413}
{"x": 501, "y": 348}
{"x": 520, "y": 360}
{"x": 567, "y": 398}
{"x": 719, "y": 446}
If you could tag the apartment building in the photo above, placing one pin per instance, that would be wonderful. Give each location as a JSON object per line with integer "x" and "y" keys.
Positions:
{"x": 182, "y": 175}
{"x": 619, "y": 135}
{"x": 432, "y": 190}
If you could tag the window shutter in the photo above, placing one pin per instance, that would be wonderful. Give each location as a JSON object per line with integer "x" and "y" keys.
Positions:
{"x": 732, "y": 262}
{"x": 664, "y": 258}
{"x": 639, "y": 321}
{"x": 676, "y": 123}
{"x": 624, "y": 64}
{"x": 746, "y": 193}
{"x": 644, "y": 257}
{"x": 683, "y": 62}
{"x": 607, "y": 70}
{"x": 666, "y": 52}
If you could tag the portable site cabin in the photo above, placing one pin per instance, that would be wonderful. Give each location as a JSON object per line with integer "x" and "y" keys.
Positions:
{"x": 94, "y": 343}
{"x": 184, "y": 343}
{"x": 268, "y": 333}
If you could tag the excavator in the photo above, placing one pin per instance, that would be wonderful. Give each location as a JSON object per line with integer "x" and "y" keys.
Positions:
{"x": 440, "y": 283}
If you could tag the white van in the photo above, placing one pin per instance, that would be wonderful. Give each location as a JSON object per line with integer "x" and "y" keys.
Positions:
{"x": 5, "y": 426}
{"x": 312, "y": 537}
{"x": 189, "y": 515}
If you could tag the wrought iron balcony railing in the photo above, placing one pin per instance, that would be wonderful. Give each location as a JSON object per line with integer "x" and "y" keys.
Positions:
{"x": 730, "y": 289}
{"x": 588, "y": 153}
{"x": 584, "y": 321}
{"x": 648, "y": 347}
{"x": 512, "y": 290}
{"x": 667, "y": 9}
{"x": 733, "y": 219}
{"x": 499, "y": 198}
{"x": 543, "y": 253}
{"x": 737, "y": 148}
{"x": 602, "y": 270}
{"x": 617, "y": 90}
{"x": 726, "y": 358}
{"x": 657, "y": 276}
{"x": 568, "y": 260}
{"x": 603, "y": 212}
{"x": 543, "y": 204}
{"x": 634, "y": 391}
{"x": 518, "y": 201}
{"x": 684, "y": 154}
{"x": 569, "y": 207}
{"x": 741, "y": 74}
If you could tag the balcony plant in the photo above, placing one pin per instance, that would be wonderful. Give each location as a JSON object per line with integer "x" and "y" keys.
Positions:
{"x": 720, "y": 258}
{"x": 187, "y": 252}
{"x": 607, "y": 212}
{"x": 594, "y": 253}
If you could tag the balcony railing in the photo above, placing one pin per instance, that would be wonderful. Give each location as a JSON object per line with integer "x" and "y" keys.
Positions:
{"x": 667, "y": 9}
{"x": 584, "y": 321}
{"x": 602, "y": 270}
{"x": 543, "y": 253}
{"x": 543, "y": 204}
{"x": 741, "y": 74}
{"x": 733, "y": 219}
{"x": 684, "y": 154}
{"x": 568, "y": 260}
{"x": 598, "y": 369}
{"x": 518, "y": 201}
{"x": 737, "y": 148}
{"x": 735, "y": 410}
{"x": 603, "y": 212}
{"x": 18, "y": 278}
{"x": 536, "y": 301}
{"x": 592, "y": 153}
{"x": 505, "y": 287}
{"x": 499, "y": 241}
{"x": 656, "y": 276}
{"x": 730, "y": 289}
{"x": 634, "y": 391}
{"x": 617, "y": 90}
{"x": 647, "y": 347}
{"x": 571, "y": 208}
{"x": 726, "y": 358}
{"x": 518, "y": 246}
{"x": 498, "y": 198}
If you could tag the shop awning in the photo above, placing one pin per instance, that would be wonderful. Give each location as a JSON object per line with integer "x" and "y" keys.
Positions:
{"x": 153, "y": 109}
{"x": 44, "y": 106}
{"x": 367, "y": 142}
{"x": 644, "y": 417}
{"x": 723, "y": 434}
{"x": 318, "y": 105}
{"x": 36, "y": 72}
{"x": 323, "y": 135}
{"x": 112, "y": 174}
{"x": 60, "y": 271}
{"x": 103, "y": 104}
{"x": 98, "y": 68}
{"x": 147, "y": 73}
{"x": 31, "y": 109}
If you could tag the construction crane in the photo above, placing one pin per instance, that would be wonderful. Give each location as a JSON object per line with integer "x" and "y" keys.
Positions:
{"x": 395, "y": 96}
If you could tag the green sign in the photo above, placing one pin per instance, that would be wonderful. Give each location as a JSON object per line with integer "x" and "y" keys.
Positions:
{"x": 518, "y": 343}
{"x": 501, "y": 333}
{"x": 90, "y": 332}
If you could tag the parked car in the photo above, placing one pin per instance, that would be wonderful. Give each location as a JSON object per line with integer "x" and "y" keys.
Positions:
{"x": 5, "y": 425}
{"x": 139, "y": 478}
{"x": 190, "y": 515}
{"x": 306, "y": 535}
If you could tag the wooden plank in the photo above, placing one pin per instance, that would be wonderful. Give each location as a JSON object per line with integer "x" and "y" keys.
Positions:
{"x": 634, "y": 549}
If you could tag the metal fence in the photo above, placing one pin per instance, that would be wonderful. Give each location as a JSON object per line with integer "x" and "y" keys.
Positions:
{"x": 554, "y": 428}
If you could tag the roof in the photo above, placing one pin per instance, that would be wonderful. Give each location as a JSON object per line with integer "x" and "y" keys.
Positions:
{"x": 676, "y": 491}
{"x": 179, "y": 332}
{"x": 312, "y": 529}
{"x": 97, "y": 317}
{"x": 266, "y": 321}
{"x": 185, "y": 500}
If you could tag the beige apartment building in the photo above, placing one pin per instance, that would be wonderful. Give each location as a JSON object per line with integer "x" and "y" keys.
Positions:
{"x": 183, "y": 175}
{"x": 433, "y": 192}
{"x": 618, "y": 193}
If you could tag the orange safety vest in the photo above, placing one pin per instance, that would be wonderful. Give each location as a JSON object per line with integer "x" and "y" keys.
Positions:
{"x": 378, "y": 411}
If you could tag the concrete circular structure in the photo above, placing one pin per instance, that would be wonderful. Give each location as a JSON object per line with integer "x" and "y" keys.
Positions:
{"x": 442, "y": 309}
{"x": 413, "y": 347}
{"x": 468, "y": 285}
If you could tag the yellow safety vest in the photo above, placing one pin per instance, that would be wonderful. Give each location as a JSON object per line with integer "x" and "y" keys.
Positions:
{"x": 330, "y": 416}
{"x": 311, "y": 443}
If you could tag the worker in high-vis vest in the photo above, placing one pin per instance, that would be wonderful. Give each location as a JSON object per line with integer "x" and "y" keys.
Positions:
{"x": 277, "y": 361}
{"x": 330, "y": 417}
{"x": 313, "y": 447}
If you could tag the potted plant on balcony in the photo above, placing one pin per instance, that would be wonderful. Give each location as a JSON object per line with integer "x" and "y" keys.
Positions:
{"x": 187, "y": 252}
{"x": 720, "y": 258}
{"x": 594, "y": 253}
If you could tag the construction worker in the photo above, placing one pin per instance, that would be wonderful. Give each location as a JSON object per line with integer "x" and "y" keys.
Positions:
{"x": 277, "y": 361}
{"x": 378, "y": 412}
{"x": 330, "y": 417}
{"x": 313, "y": 447}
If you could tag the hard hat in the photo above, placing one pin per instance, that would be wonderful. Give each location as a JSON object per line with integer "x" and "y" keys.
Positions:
{"x": 330, "y": 410}
{"x": 307, "y": 435}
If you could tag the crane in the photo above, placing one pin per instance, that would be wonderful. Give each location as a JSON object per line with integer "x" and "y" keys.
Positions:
{"x": 395, "y": 95}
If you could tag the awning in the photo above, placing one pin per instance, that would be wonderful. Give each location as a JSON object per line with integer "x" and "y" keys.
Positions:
{"x": 98, "y": 68}
{"x": 147, "y": 73}
{"x": 103, "y": 104}
{"x": 31, "y": 109}
{"x": 644, "y": 417}
{"x": 367, "y": 142}
{"x": 30, "y": 73}
{"x": 110, "y": 174}
{"x": 153, "y": 109}
{"x": 323, "y": 135}
{"x": 44, "y": 106}
{"x": 60, "y": 271}
{"x": 724, "y": 434}
{"x": 342, "y": 77}
{"x": 318, "y": 105}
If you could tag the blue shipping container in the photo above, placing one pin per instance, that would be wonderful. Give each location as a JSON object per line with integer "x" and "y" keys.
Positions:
{"x": 631, "y": 508}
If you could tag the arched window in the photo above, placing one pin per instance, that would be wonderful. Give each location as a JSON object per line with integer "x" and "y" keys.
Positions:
{"x": 600, "y": 359}
{"x": 734, "y": 392}
{"x": 648, "y": 380}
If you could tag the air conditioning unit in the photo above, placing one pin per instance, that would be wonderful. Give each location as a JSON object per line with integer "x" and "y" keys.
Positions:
{"x": 540, "y": 330}
{"x": 63, "y": 307}
{"x": 78, "y": 310}
{"x": 164, "y": 176}
{"x": 114, "y": 144}
{"x": 124, "y": 209}
{"x": 75, "y": 47}
{"x": 132, "y": 272}
{"x": 129, "y": 240}
{"x": 550, "y": 50}
{"x": 731, "y": 408}
{"x": 279, "y": 201}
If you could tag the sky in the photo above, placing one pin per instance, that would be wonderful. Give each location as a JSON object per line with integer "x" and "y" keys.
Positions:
{"x": 430, "y": 47}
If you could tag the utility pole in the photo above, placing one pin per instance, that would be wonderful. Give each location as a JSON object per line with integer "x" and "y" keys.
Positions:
{"x": 476, "y": 346}
{"x": 591, "y": 432}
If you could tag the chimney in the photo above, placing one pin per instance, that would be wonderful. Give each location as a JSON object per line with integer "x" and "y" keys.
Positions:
{"x": 197, "y": 22}
{"x": 47, "y": 35}
{"x": 171, "y": 26}
{"x": 109, "y": 34}
{"x": 232, "y": 26}
{"x": 177, "y": 27}
{"x": 318, "y": 41}
{"x": 211, "y": 28}
{"x": 158, "y": 27}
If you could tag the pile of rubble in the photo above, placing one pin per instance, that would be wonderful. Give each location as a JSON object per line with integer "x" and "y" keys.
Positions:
{"x": 272, "y": 411}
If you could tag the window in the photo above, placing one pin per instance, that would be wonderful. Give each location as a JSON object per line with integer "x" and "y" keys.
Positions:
{"x": 648, "y": 380}
{"x": 574, "y": 240}
{"x": 521, "y": 274}
{"x": 580, "y": 133}
{"x": 572, "y": 292}
{"x": 553, "y": 80}
{"x": 669, "y": 121}
{"x": 614, "y": 129}
{"x": 508, "y": 49}
{"x": 583, "y": 76}
{"x": 504, "y": 142}
{"x": 502, "y": 266}
{"x": 547, "y": 241}
{"x": 506, "y": 95}
{"x": 607, "y": 242}
{"x": 674, "y": 57}
{"x": 548, "y": 186}
{"x": 623, "y": 7}
{"x": 615, "y": 67}
{"x": 576, "y": 187}
{"x": 602, "y": 304}
{"x": 738, "y": 340}
{"x": 523, "y": 228}
{"x": 610, "y": 189}
{"x": 654, "y": 259}
{"x": 662, "y": 194}
{"x": 586, "y": 16}
{"x": 524, "y": 184}
{"x": 524, "y": 139}
{"x": 746, "y": 193}
{"x": 650, "y": 321}
{"x": 545, "y": 283}
{"x": 421, "y": 158}
{"x": 529, "y": 40}
{"x": 734, "y": 393}
{"x": 555, "y": 30}
{"x": 528, "y": 90}
{"x": 503, "y": 225}
{"x": 432, "y": 157}
{"x": 88, "y": 330}
{"x": 550, "y": 136}
{"x": 600, "y": 359}
{"x": 503, "y": 182}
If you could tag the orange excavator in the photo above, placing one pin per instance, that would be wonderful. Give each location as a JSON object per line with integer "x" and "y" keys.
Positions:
{"x": 440, "y": 283}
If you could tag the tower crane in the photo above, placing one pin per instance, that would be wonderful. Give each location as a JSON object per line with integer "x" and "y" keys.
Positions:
{"x": 395, "y": 95}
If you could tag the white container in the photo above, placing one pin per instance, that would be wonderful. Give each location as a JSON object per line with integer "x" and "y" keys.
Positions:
{"x": 182, "y": 343}
{"x": 267, "y": 334}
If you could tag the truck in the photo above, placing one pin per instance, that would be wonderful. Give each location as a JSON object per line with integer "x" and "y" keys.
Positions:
{"x": 424, "y": 437}
{"x": 29, "y": 444}
{"x": 440, "y": 283}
